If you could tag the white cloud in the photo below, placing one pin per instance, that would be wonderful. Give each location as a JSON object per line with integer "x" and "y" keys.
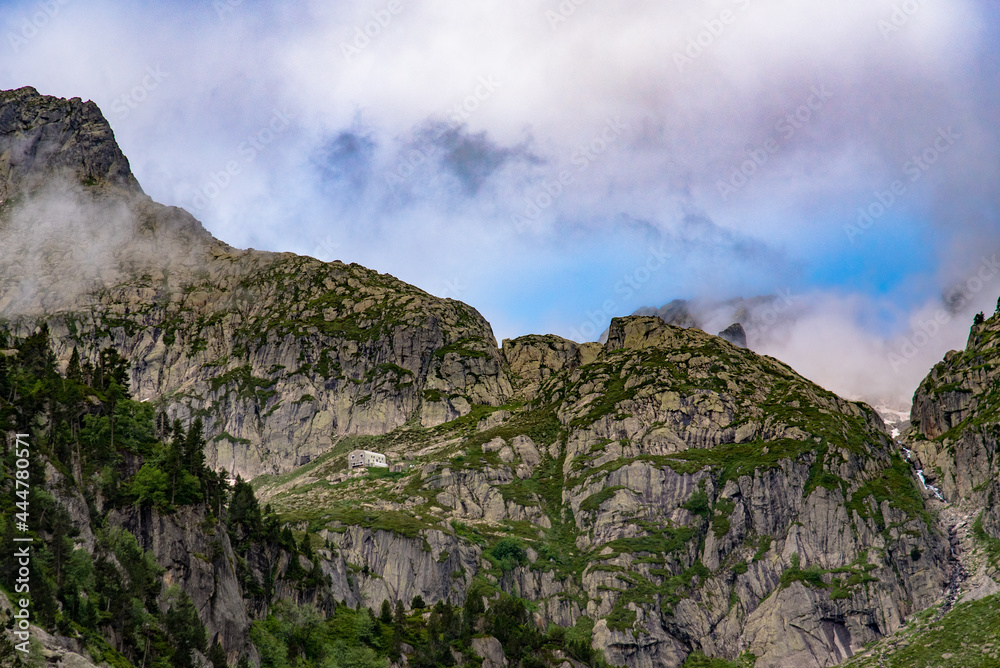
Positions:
{"x": 556, "y": 88}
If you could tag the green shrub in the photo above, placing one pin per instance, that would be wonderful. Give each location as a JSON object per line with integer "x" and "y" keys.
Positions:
{"x": 509, "y": 553}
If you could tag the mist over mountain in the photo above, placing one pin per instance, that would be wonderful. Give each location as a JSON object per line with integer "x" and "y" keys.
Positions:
{"x": 813, "y": 333}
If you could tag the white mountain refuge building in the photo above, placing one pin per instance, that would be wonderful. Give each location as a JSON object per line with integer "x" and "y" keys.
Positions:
{"x": 364, "y": 459}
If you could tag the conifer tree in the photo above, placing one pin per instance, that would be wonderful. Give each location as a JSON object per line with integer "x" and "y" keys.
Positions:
{"x": 385, "y": 615}
{"x": 305, "y": 546}
{"x": 74, "y": 371}
{"x": 194, "y": 448}
{"x": 217, "y": 655}
{"x": 185, "y": 630}
{"x": 173, "y": 459}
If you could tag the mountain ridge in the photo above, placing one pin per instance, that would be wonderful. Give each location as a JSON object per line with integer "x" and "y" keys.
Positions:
{"x": 664, "y": 498}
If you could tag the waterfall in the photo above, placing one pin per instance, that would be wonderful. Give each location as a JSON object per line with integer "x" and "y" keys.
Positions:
{"x": 920, "y": 474}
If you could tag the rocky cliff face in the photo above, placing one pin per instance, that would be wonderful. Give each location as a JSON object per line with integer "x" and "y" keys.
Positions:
{"x": 196, "y": 555}
{"x": 740, "y": 321}
{"x": 955, "y": 414}
{"x": 954, "y": 437}
{"x": 281, "y": 355}
{"x": 685, "y": 494}
{"x": 953, "y": 441}
{"x": 42, "y": 136}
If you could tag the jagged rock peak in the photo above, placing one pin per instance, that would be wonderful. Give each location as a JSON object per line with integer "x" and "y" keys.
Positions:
{"x": 640, "y": 332}
{"x": 42, "y": 136}
{"x": 735, "y": 334}
{"x": 677, "y": 312}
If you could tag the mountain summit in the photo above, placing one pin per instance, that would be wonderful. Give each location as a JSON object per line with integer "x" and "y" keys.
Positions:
{"x": 279, "y": 354}
{"x": 42, "y": 137}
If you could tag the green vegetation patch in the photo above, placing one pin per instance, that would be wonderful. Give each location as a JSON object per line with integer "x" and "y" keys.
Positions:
{"x": 595, "y": 501}
{"x": 894, "y": 484}
{"x": 819, "y": 476}
{"x": 735, "y": 460}
{"x": 968, "y": 636}
{"x": 720, "y": 521}
{"x": 660, "y": 541}
{"x": 246, "y": 385}
{"x": 843, "y": 581}
{"x": 990, "y": 545}
{"x": 463, "y": 348}
{"x": 668, "y": 589}
{"x": 699, "y": 660}
{"x": 398, "y": 522}
{"x": 763, "y": 547}
{"x": 699, "y": 503}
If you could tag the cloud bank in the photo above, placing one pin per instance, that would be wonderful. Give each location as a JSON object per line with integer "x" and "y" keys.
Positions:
{"x": 554, "y": 162}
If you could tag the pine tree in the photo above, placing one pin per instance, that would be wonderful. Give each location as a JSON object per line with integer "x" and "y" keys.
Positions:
{"x": 271, "y": 526}
{"x": 398, "y": 628}
{"x": 173, "y": 460}
{"x": 385, "y": 615}
{"x": 61, "y": 545}
{"x": 177, "y": 431}
{"x": 470, "y": 614}
{"x": 217, "y": 655}
{"x": 294, "y": 570}
{"x": 162, "y": 426}
{"x": 73, "y": 371}
{"x": 186, "y": 631}
{"x": 244, "y": 511}
{"x": 43, "y": 597}
{"x": 216, "y": 486}
{"x": 35, "y": 354}
{"x": 450, "y": 623}
{"x": 315, "y": 577}
{"x": 9, "y": 656}
{"x": 399, "y": 615}
{"x": 288, "y": 539}
{"x": 305, "y": 546}
{"x": 88, "y": 615}
{"x": 113, "y": 370}
{"x": 194, "y": 448}
{"x": 88, "y": 372}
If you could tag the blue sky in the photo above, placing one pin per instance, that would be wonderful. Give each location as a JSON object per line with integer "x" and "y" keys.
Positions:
{"x": 536, "y": 162}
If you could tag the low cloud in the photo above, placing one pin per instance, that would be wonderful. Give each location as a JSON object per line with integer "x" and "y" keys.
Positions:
{"x": 64, "y": 245}
{"x": 423, "y": 153}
